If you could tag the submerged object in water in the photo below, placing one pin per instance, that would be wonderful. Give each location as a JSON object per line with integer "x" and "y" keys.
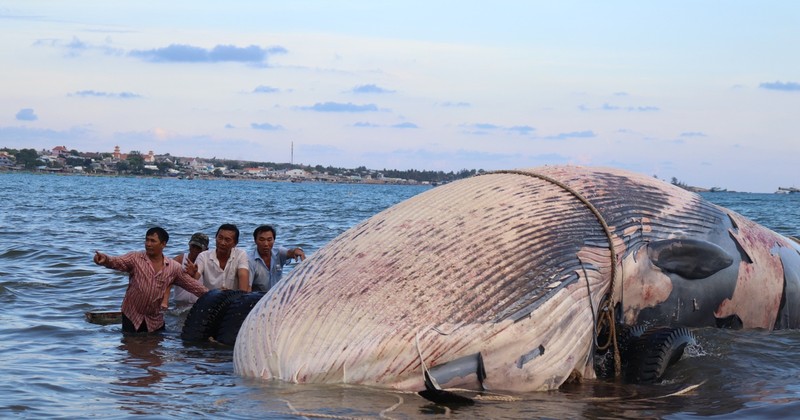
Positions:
{"x": 497, "y": 282}
{"x": 104, "y": 317}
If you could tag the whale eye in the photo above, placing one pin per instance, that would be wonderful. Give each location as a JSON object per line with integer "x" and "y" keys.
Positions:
{"x": 689, "y": 258}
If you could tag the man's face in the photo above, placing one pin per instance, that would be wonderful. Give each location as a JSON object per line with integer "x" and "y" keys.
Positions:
{"x": 226, "y": 240}
{"x": 264, "y": 242}
{"x": 195, "y": 250}
{"x": 153, "y": 246}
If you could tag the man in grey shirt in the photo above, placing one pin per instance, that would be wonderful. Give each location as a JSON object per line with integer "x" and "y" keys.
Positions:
{"x": 267, "y": 261}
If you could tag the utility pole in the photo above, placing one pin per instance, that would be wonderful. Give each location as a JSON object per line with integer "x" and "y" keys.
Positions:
{"x": 292, "y": 158}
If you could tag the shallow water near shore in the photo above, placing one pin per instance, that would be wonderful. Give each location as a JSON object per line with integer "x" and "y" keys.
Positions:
{"x": 54, "y": 364}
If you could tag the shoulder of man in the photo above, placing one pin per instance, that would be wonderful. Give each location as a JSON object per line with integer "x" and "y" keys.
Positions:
{"x": 283, "y": 252}
{"x": 132, "y": 255}
{"x": 242, "y": 257}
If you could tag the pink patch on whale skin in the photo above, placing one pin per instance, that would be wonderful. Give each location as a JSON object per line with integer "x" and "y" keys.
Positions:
{"x": 763, "y": 277}
{"x": 645, "y": 285}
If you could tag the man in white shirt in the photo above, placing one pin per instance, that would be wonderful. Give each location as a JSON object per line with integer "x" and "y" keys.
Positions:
{"x": 224, "y": 267}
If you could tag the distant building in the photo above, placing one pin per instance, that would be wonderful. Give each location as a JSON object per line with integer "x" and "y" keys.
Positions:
{"x": 59, "y": 150}
{"x": 6, "y": 159}
{"x": 255, "y": 171}
{"x": 49, "y": 158}
{"x": 299, "y": 173}
{"x": 325, "y": 177}
{"x": 198, "y": 165}
{"x": 117, "y": 155}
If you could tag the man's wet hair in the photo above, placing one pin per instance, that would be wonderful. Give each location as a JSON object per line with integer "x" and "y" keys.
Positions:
{"x": 264, "y": 228}
{"x": 232, "y": 228}
{"x": 162, "y": 234}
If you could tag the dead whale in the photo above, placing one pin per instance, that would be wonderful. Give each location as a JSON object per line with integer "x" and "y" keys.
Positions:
{"x": 498, "y": 282}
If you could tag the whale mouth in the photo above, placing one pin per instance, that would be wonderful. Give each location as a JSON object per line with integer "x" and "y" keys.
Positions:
{"x": 732, "y": 322}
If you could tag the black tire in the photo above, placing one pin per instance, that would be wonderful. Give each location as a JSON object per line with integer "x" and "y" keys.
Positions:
{"x": 604, "y": 359}
{"x": 206, "y": 314}
{"x": 628, "y": 334}
{"x": 235, "y": 316}
{"x": 649, "y": 355}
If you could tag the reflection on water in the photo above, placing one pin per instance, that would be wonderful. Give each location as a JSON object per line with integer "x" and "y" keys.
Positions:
{"x": 143, "y": 362}
{"x": 139, "y": 374}
{"x": 54, "y": 364}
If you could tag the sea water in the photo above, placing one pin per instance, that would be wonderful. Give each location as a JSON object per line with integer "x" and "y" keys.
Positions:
{"x": 53, "y": 364}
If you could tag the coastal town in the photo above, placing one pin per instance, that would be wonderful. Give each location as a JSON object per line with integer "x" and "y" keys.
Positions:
{"x": 61, "y": 160}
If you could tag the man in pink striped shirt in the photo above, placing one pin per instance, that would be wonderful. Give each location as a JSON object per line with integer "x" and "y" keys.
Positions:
{"x": 150, "y": 274}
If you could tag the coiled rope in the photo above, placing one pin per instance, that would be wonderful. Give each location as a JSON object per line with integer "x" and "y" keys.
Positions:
{"x": 606, "y": 313}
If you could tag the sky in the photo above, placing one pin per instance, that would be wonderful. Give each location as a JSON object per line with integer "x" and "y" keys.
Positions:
{"x": 706, "y": 92}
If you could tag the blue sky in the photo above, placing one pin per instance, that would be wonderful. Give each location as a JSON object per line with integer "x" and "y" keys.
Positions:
{"x": 707, "y": 92}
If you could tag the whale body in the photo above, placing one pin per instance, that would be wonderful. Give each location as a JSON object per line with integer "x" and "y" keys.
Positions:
{"x": 496, "y": 282}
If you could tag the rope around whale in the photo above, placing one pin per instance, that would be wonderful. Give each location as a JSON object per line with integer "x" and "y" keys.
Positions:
{"x": 606, "y": 313}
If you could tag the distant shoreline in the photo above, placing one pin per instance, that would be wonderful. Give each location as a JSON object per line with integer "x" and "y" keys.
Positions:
{"x": 337, "y": 180}
{"x": 4, "y": 170}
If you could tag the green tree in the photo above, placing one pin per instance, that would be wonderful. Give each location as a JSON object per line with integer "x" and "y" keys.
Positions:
{"x": 218, "y": 172}
{"x": 78, "y": 161}
{"x": 233, "y": 164}
{"x": 123, "y": 166}
{"x": 28, "y": 157}
{"x": 164, "y": 166}
{"x": 135, "y": 162}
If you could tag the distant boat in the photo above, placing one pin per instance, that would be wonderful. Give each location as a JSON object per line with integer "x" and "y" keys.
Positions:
{"x": 718, "y": 189}
{"x": 787, "y": 190}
